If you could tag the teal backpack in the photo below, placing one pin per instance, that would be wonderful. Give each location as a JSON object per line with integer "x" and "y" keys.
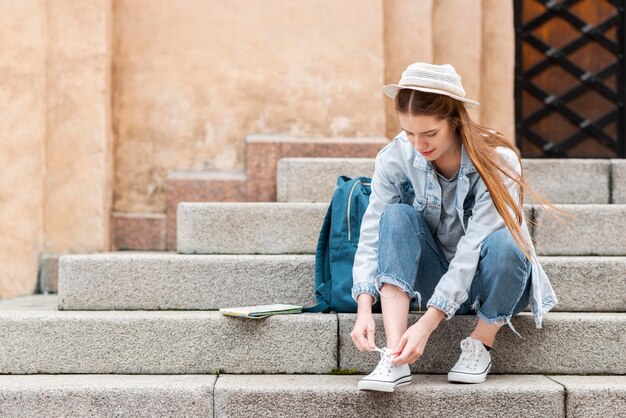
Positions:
{"x": 337, "y": 245}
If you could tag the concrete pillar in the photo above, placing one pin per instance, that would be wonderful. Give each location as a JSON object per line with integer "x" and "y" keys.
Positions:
{"x": 22, "y": 136}
{"x": 79, "y": 146}
{"x": 498, "y": 67}
{"x": 457, "y": 40}
{"x": 408, "y": 39}
{"x": 56, "y": 146}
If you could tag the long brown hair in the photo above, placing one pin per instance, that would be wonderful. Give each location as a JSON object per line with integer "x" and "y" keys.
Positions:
{"x": 480, "y": 143}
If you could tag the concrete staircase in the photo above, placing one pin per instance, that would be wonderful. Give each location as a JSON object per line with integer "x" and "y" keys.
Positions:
{"x": 137, "y": 334}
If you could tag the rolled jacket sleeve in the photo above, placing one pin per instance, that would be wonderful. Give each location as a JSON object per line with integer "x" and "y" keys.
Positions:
{"x": 365, "y": 267}
{"x": 453, "y": 287}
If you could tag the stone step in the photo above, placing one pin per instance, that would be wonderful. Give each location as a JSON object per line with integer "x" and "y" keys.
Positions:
{"x": 283, "y": 228}
{"x": 308, "y": 395}
{"x": 263, "y": 152}
{"x": 314, "y": 180}
{"x": 551, "y": 177}
{"x": 138, "y": 231}
{"x": 249, "y": 228}
{"x": 159, "y": 281}
{"x": 618, "y": 170}
{"x": 426, "y": 396}
{"x": 37, "y": 338}
{"x": 594, "y": 396}
{"x": 567, "y": 343}
{"x": 106, "y": 395}
{"x": 200, "y": 186}
{"x": 596, "y": 230}
{"x": 252, "y": 228}
{"x": 258, "y": 182}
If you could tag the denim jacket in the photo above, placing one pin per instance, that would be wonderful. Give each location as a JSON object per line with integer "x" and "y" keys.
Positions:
{"x": 403, "y": 175}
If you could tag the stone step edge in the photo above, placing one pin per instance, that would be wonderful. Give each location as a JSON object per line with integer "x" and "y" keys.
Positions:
{"x": 605, "y": 176}
{"x": 33, "y": 333}
{"x": 256, "y": 182}
{"x": 49, "y": 263}
{"x": 197, "y": 231}
{"x": 193, "y": 281}
{"x": 206, "y": 394}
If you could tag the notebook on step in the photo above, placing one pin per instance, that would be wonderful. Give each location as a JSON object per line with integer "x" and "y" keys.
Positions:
{"x": 261, "y": 311}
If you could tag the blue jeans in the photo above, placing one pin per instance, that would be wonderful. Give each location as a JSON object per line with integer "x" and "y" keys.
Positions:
{"x": 410, "y": 258}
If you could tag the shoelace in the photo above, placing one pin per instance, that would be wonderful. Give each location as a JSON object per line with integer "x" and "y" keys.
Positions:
{"x": 384, "y": 365}
{"x": 471, "y": 350}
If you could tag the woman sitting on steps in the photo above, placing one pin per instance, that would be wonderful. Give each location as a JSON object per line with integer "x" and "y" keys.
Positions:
{"x": 444, "y": 231}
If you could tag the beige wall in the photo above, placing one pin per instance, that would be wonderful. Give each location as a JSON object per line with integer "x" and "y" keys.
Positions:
{"x": 55, "y": 134}
{"x": 79, "y": 162}
{"x": 101, "y": 98}
{"x": 22, "y": 145}
{"x": 192, "y": 81}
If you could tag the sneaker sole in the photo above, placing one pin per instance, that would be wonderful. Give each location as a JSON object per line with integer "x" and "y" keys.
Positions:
{"x": 468, "y": 378}
{"x": 383, "y": 386}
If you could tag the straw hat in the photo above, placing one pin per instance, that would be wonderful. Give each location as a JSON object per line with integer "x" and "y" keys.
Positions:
{"x": 431, "y": 78}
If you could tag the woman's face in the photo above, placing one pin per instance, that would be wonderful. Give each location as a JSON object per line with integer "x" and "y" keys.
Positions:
{"x": 431, "y": 136}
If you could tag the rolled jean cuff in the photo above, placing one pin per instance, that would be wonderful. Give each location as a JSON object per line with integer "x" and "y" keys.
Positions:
{"x": 385, "y": 278}
{"x": 448, "y": 306}
{"x": 501, "y": 320}
{"x": 364, "y": 287}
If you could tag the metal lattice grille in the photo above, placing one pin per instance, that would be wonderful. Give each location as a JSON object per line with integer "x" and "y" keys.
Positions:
{"x": 569, "y": 78}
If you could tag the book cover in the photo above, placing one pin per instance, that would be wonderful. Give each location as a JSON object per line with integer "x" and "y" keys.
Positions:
{"x": 261, "y": 311}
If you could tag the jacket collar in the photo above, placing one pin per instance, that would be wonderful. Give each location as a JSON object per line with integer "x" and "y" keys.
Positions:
{"x": 424, "y": 164}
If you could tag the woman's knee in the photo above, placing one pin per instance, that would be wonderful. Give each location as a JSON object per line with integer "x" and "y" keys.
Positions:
{"x": 398, "y": 211}
{"x": 502, "y": 262}
{"x": 501, "y": 248}
{"x": 400, "y": 216}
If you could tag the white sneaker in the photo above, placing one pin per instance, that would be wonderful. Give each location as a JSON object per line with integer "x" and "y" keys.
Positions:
{"x": 386, "y": 377}
{"x": 474, "y": 363}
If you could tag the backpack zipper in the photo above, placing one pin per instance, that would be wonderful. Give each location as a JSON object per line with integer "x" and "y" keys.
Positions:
{"x": 350, "y": 200}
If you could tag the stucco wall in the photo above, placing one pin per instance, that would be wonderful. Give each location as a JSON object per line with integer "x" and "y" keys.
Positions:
{"x": 192, "y": 81}
{"x": 23, "y": 127}
{"x": 55, "y": 134}
{"x": 79, "y": 142}
{"x": 101, "y": 98}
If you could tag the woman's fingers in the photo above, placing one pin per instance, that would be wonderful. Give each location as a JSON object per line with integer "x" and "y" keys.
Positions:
{"x": 409, "y": 352}
{"x": 356, "y": 339}
{"x": 364, "y": 340}
{"x": 408, "y": 356}
{"x": 401, "y": 344}
{"x": 402, "y": 351}
{"x": 370, "y": 338}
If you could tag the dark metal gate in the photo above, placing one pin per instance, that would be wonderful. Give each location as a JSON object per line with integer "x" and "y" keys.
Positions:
{"x": 569, "y": 78}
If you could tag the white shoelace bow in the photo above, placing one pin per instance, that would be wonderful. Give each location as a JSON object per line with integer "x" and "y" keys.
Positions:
{"x": 471, "y": 350}
{"x": 384, "y": 365}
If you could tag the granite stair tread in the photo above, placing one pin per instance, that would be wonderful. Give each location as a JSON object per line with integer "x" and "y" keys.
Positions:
{"x": 37, "y": 338}
{"x": 167, "y": 280}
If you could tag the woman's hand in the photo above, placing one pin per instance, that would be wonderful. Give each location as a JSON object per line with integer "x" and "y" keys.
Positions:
{"x": 363, "y": 332}
{"x": 413, "y": 341}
